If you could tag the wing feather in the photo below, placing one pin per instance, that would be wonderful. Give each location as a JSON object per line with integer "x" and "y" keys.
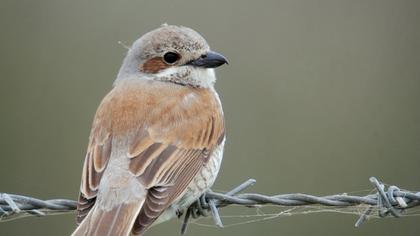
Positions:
{"x": 101, "y": 154}
{"x": 170, "y": 141}
{"x": 139, "y": 163}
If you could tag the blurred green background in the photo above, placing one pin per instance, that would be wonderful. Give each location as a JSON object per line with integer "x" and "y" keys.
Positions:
{"x": 318, "y": 97}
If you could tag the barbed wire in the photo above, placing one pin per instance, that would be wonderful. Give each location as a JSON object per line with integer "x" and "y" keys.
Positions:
{"x": 389, "y": 201}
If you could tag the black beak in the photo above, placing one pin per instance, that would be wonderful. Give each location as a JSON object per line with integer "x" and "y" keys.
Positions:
{"x": 209, "y": 60}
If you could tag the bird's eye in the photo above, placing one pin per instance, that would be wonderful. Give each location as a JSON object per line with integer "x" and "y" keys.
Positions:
{"x": 171, "y": 57}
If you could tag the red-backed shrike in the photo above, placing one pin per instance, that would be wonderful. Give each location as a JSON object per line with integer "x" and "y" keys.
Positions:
{"x": 157, "y": 138}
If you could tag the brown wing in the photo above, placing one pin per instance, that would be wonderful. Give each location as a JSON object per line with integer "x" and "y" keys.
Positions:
{"x": 167, "y": 176}
{"x": 172, "y": 140}
{"x": 96, "y": 159}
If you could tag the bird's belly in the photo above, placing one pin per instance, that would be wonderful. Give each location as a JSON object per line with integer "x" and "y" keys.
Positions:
{"x": 203, "y": 180}
{"x": 201, "y": 183}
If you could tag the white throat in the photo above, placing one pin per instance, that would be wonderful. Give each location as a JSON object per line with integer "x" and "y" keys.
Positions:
{"x": 186, "y": 75}
{"x": 194, "y": 76}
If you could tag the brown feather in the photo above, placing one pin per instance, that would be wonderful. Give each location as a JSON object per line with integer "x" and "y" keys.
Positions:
{"x": 153, "y": 65}
{"x": 94, "y": 176}
{"x": 140, "y": 142}
{"x": 139, "y": 163}
{"x": 170, "y": 141}
{"x": 101, "y": 154}
{"x": 83, "y": 207}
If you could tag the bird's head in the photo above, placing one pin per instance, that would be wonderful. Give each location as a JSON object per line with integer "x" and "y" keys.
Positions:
{"x": 173, "y": 54}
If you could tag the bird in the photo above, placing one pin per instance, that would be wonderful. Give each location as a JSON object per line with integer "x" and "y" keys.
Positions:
{"x": 157, "y": 138}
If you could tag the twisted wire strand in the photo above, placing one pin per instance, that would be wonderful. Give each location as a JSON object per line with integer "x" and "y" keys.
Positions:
{"x": 389, "y": 201}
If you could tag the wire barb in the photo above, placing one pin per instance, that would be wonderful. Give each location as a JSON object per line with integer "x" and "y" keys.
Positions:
{"x": 203, "y": 204}
{"x": 389, "y": 201}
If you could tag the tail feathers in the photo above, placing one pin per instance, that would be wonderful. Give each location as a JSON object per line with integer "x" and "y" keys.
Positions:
{"x": 115, "y": 222}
